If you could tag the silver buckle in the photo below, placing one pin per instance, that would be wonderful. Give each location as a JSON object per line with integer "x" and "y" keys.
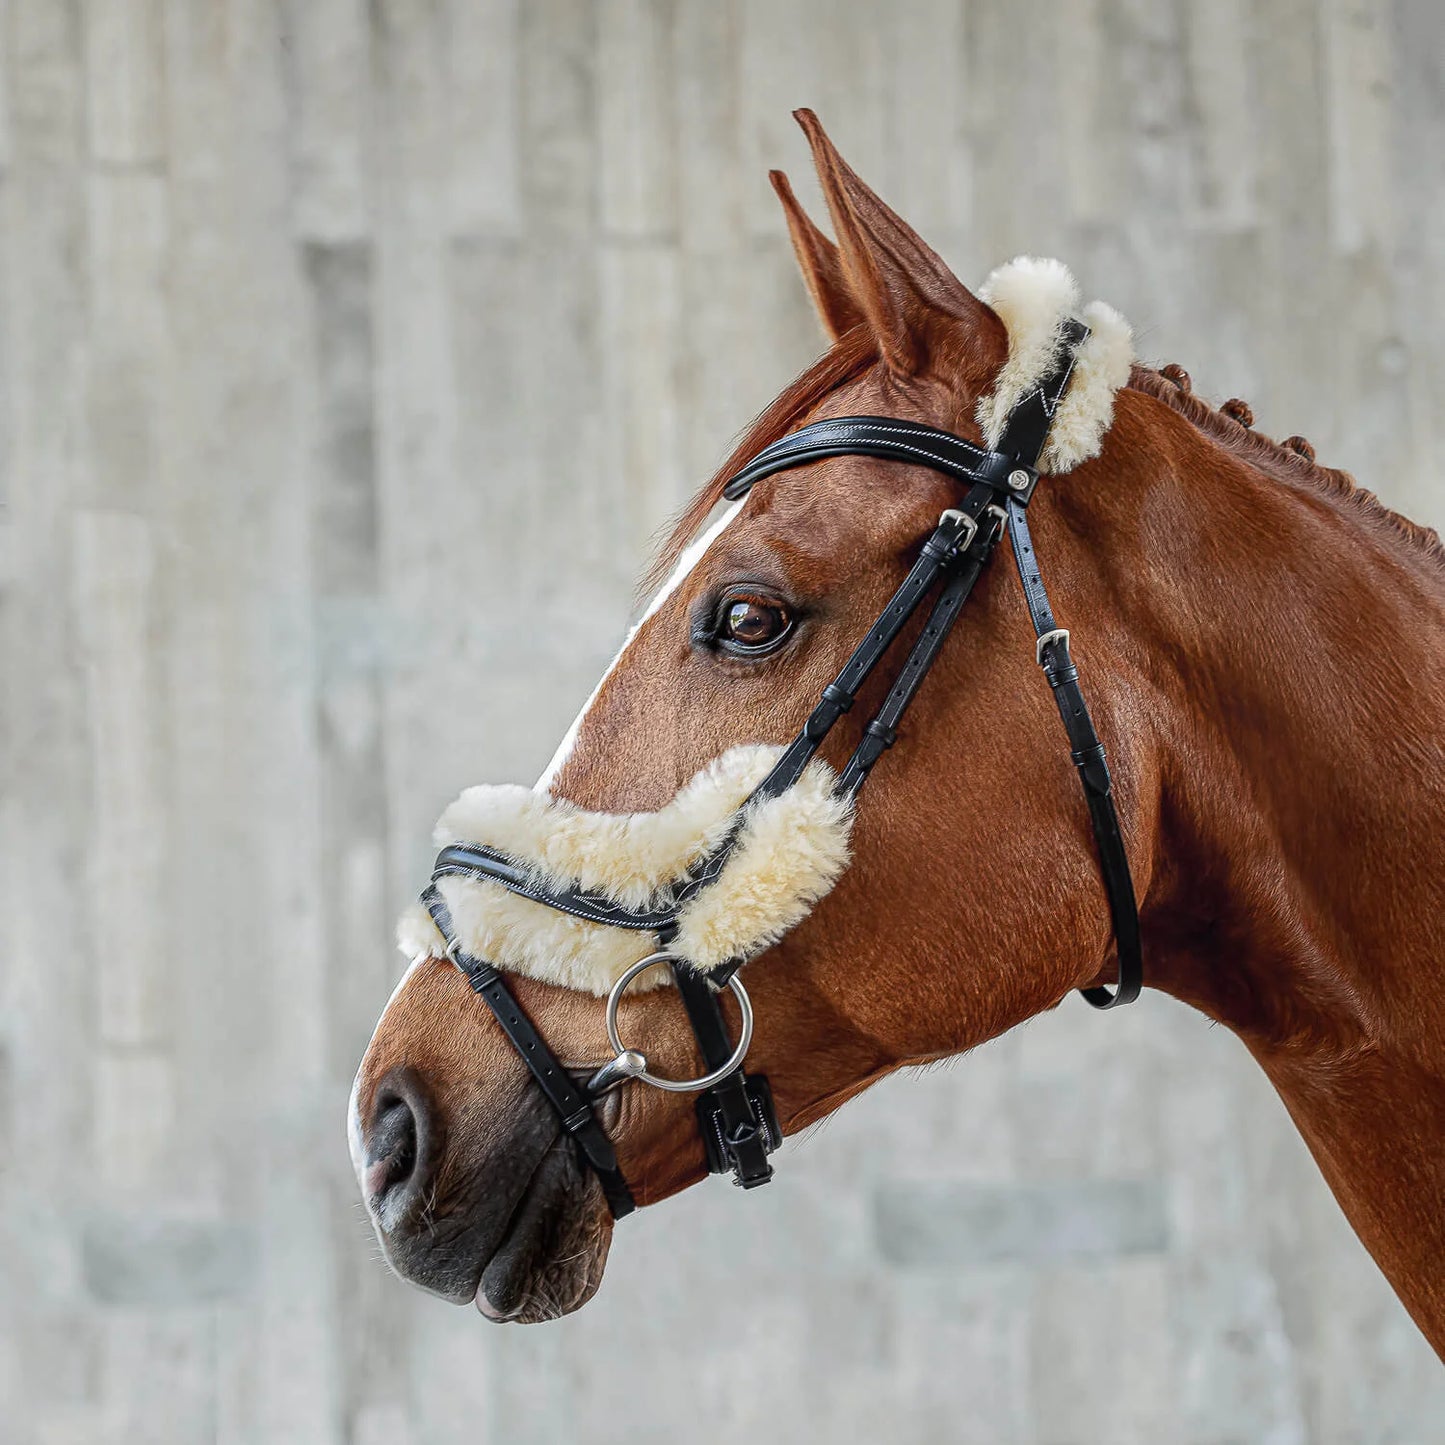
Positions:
{"x": 1057, "y": 635}
{"x": 969, "y": 525}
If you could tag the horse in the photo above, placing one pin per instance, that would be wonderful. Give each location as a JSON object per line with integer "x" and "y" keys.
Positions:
{"x": 1264, "y": 644}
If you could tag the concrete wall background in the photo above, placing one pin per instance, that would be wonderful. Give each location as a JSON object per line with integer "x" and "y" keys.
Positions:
{"x": 318, "y": 314}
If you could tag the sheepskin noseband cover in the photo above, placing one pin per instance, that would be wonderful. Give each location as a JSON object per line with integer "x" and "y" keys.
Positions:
{"x": 790, "y": 852}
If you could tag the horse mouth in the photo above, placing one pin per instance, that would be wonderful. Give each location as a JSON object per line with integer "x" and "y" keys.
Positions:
{"x": 509, "y": 1218}
{"x": 553, "y": 1250}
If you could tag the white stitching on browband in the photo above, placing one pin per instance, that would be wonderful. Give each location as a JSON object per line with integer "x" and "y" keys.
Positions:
{"x": 886, "y": 425}
{"x": 931, "y": 457}
{"x": 904, "y": 447}
{"x": 911, "y": 431}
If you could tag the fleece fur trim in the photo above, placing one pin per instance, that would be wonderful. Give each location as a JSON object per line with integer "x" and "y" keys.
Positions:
{"x": 1033, "y": 297}
{"x": 789, "y": 854}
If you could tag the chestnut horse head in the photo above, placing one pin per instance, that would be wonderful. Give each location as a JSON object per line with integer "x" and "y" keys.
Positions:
{"x": 1222, "y": 590}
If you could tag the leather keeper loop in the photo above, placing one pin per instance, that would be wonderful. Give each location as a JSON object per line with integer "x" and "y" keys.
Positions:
{"x": 478, "y": 974}
{"x": 578, "y": 1120}
{"x": 821, "y": 720}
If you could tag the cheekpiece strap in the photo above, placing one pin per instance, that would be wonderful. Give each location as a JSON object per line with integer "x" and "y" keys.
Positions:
{"x": 736, "y": 1119}
{"x": 553, "y": 1078}
{"x": 1087, "y": 753}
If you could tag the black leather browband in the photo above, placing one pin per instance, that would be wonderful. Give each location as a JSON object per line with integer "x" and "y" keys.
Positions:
{"x": 874, "y": 436}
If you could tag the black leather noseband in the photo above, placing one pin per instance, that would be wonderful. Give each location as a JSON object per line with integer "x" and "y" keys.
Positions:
{"x": 735, "y": 1116}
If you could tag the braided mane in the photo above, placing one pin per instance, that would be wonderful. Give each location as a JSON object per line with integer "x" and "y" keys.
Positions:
{"x": 1232, "y": 427}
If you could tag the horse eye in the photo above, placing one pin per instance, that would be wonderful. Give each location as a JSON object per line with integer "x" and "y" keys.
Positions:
{"x": 750, "y": 625}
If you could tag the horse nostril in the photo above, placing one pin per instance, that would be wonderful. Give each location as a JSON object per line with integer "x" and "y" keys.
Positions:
{"x": 393, "y": 1148}
{"x": 396, "y": 1149}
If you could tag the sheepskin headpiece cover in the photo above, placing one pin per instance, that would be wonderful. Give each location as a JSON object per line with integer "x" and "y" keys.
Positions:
{"x": 1033, "y": 297}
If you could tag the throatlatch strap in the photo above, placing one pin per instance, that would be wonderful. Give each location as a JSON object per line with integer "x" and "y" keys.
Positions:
{"x": 552, "y": 1077}
{"x": 1088, "y": 756}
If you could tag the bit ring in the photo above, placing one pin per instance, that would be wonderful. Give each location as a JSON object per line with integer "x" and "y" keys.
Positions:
{"x": 678, "y": 1086}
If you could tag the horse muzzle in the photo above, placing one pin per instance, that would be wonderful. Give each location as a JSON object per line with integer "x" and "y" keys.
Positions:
{"x": 473, "y": 1209}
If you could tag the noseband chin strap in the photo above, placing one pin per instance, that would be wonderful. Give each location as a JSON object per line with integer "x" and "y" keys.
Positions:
{"x": 735, "y": 1114}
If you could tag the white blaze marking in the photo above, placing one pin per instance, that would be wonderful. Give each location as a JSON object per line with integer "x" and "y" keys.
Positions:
{"x": 691, "y": 556}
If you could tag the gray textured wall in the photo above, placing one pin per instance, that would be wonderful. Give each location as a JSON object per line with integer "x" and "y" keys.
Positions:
{"x": 319, "y": 315}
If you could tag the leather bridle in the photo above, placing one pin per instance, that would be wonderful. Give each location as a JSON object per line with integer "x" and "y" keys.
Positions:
{"x": 734, "y": 1108}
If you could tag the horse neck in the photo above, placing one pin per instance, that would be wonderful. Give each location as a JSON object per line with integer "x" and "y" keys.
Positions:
{"x": 1288, "y": 644}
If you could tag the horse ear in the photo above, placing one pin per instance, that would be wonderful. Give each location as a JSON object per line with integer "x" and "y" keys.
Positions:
{"x": 916, "y": 307}
{"x": 820, "y": 263}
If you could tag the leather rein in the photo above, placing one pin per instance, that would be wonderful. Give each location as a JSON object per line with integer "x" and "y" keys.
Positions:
{"x": 735, "y": 1111}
